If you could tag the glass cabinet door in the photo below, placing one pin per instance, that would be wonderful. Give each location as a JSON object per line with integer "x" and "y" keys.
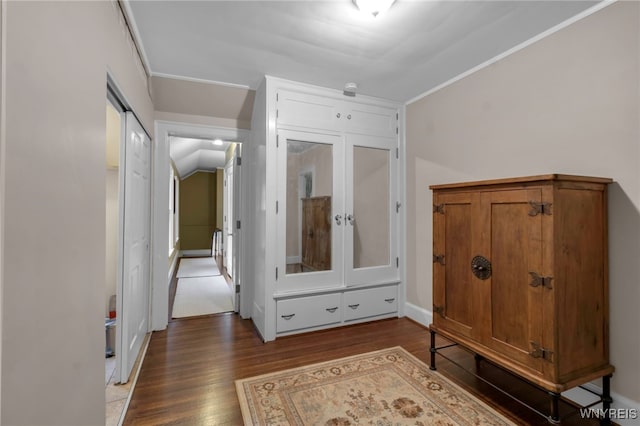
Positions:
{"x": 310, "y": 211}
{"x": 371, "y": 226}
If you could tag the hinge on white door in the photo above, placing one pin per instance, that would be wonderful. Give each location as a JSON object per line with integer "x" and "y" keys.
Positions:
{"x": 277, "y": 97}
{"x": 239, "y": 161}
{"x": 238, "y": 224}
{"x": 277, "y": 113}
{"x": 398, "y": 204}
{"x": 237, "y": 288}
{"x": 276, "y": 274}
{"x": 276, "y": 207}
{"x": 396, "y": 130}
{"x": 396, "y": 116}
{"x": 397, "y": 262}
{"x": 277, "y": 141}
{"x": 397, "y": 153}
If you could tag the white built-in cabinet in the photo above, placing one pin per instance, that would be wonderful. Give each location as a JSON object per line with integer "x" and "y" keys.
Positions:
{"x": 331, "y": 235}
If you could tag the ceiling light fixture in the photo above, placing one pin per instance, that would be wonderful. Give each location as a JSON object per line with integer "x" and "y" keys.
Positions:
{"x": 373, "y": 7}
{"x": 217, "y": 142}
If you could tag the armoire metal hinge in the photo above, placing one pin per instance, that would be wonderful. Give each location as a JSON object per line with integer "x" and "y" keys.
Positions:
{"x": 538, "y": 351}
{"x": 397, "y": 262}
{"x": 438, "y": 258}
{"x": 239, "y": 161}
{"x": 276, "y": 274}
{"x": 397, "y": 116}
{"x": 538, "y": 280}
{"x": 539, "y": 208}
{"x": 277, "y": 141}
{"x": 396, "y": 130}
{"x": 397, "y": 153}
{"x": 237, "y": 288}
{"x": 398, "y": 204}
{"x": 277, "y": 113}
{"x": 438, "y": 208}
{"x": 276, "y": 207}
{"x": 238, "y": 224}
{"x": 438, "y": 310}
{"x": 277, "y": 97}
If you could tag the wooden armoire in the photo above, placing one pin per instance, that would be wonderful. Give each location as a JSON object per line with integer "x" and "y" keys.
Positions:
{"x": 520, "y": 276}
{"x": 316, "y": 233}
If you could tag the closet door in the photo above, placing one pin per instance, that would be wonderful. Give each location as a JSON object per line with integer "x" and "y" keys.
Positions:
{"x": 310, "y": 211}
{"x": 371, "y": 247}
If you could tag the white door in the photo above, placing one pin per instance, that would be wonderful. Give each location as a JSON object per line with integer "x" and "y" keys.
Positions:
{"x": 133, "y": 292}
{"x": 227, "y": 204}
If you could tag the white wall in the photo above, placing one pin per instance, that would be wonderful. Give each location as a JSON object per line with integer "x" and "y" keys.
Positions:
{"x": 569, "y": 103}
{"x": 57, "y": 58}
{"x": 254, "y": 193}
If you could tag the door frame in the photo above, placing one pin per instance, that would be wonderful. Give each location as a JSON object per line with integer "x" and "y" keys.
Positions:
{"x": 162, "y": 272}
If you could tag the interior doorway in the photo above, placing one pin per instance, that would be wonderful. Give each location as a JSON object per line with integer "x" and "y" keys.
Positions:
{"x": 201, "y": 153}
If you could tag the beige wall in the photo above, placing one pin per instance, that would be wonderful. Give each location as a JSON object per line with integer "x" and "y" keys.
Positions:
{"x": 198, "y": 195}
{"x": 57, "y": 58}
{"x": 202, "y": 103}
{"x": 568, "y": 103}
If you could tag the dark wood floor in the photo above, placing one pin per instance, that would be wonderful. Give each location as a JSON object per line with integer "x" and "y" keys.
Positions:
{"x": 188, "y": 375}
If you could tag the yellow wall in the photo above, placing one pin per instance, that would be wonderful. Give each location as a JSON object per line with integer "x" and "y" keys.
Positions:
{"x": 198, "y": 205}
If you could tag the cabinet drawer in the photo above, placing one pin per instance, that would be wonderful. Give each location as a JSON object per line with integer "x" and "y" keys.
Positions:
{"x": 311, "y": 311}
{"x": 370, "y": 302}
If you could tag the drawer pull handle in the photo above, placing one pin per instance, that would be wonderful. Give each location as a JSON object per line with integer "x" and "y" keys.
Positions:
{"x": 354, "y": 306}
{"x": 332, "y": 310}
{"x": 390, "y": 300}
{"x": 288, "y": 317}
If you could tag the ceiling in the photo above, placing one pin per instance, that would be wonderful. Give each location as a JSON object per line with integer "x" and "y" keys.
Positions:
{"x": 194, "y": 154}
{"x": 414, "y": 47}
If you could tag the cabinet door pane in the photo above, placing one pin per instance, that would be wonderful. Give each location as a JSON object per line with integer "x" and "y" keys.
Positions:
{"x": 370, "y": 218}
{"x": 309, "y": 195}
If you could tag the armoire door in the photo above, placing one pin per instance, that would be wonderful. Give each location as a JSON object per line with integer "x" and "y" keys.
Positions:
{"x": 510, "y": 303}
{"x": 310, "y": 248}
{"x": 371, "y": 248}
{"x": 453, "y": 290}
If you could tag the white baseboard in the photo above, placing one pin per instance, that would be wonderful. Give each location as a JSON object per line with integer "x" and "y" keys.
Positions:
{"x": 624, "y": 407}
{"x": 195, "y": 253}
{"x": 418, "y": 314}
{"x": 172, "y": 269}
{"x": 257, "y": 316}
{"x": 292, "y": 260}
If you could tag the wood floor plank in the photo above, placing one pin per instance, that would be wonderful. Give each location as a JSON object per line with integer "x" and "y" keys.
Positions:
{"x": 188, "y": 375}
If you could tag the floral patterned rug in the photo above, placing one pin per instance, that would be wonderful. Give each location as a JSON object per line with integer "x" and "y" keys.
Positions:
{"x": 387, "y": 387}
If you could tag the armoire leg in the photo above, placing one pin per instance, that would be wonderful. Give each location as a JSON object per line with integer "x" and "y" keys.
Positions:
{"x": 432, "y": 365}
{"x": 606, "y": 399}
{"x": 554, "y": 417}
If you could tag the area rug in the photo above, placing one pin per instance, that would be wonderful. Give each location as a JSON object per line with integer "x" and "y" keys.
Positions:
{"x": 202, "y": 296}
{"x": 197, "y": 267}
{"x": 387, "y": 387}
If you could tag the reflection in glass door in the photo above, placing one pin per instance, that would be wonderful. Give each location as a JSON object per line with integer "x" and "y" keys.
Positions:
{"x": 371, "y": 217}
{"x": 311, "y": 225}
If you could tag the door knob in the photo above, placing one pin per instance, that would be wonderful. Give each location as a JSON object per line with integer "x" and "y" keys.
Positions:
{"x": 351, "y": 218}
{"x": 338, "y": 219}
